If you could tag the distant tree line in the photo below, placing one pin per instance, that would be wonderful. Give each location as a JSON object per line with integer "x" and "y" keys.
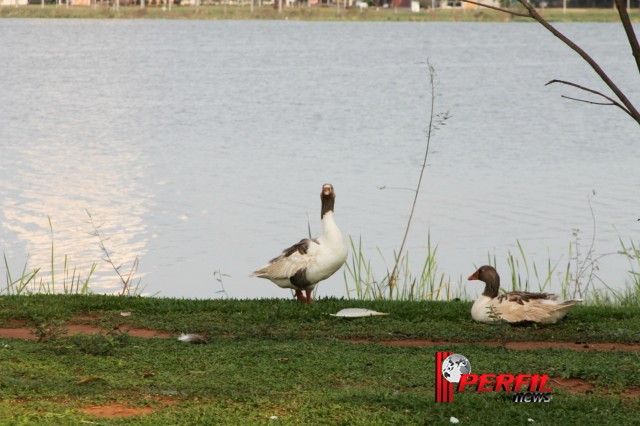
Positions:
{"x": 583, "y": 4}
{"x": 573, "y": 4}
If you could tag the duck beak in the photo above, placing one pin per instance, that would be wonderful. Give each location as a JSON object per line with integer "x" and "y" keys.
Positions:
{"x": 474, "y": 276}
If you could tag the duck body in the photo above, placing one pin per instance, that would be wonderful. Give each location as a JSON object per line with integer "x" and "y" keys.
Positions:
{"x": 515, "y": 307}
{"x": 306, "y": 263}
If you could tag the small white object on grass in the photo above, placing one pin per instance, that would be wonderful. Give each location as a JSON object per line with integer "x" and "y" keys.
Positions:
{"x": 454, "y": 420}
{"x": 192, "y": 338}
{"x": 357, "y": 313}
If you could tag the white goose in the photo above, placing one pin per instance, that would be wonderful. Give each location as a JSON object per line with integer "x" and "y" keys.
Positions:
{"x": 305, "y": 264}
{"x": 516, "y": 306}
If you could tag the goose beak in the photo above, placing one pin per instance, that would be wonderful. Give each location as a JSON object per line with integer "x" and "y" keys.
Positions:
{"x": 474, "y": 276}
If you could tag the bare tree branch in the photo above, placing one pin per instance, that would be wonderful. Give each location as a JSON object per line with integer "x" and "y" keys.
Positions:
{"x": 612, "y": 102}
{"x": 628, "y": 28}
{"x": 628, "y": 108}
{"x": 588, "y": 102}
{"x": 430, "y": 130}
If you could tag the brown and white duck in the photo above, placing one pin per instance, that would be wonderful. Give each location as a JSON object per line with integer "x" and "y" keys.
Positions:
{"x": 517, "y": 306}
{"x": 305, "y": 264}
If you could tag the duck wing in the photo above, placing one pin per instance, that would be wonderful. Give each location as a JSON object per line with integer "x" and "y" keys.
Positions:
{"x": 517, "y": 307}
{"x": 523, "y": 297}
{"x": 292, "y": 260}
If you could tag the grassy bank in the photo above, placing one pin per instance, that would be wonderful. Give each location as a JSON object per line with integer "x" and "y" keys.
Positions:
{"x": 281, "y": 362}
{"x": 306, "y": 14}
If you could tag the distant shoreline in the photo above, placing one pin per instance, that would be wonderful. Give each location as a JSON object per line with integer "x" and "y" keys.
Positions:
{"x": 305, "y": 14}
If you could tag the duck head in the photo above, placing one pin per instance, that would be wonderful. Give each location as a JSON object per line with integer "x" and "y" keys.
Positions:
{"x": 490, "y": 277}
{"x": 328, "y": 198}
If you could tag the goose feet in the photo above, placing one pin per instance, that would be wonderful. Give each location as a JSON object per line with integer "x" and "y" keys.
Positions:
{"x": 302, "y": 298}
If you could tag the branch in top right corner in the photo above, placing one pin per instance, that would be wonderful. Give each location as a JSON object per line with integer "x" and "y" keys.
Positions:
{"x": 628, "y": 29}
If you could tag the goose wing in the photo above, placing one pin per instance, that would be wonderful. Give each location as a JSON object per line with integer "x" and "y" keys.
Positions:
{"x": 522, "y": 306}
{"x": 293, "y": 259}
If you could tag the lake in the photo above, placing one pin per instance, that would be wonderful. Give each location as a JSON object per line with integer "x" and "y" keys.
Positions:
{"x": 200, "y": 147}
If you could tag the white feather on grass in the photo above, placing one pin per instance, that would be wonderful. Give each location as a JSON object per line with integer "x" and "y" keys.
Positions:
{"x": 357, "y": 313}
{"x": 192, "y": 338}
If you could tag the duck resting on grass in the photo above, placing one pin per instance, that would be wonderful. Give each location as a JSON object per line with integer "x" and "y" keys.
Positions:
{"x": 305, "y": 264}
{"x": 515, "y": 307}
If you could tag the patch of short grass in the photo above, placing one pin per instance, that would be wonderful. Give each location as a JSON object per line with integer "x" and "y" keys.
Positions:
{"x": 300, "y": 381}
{"x": 284, "y": 318}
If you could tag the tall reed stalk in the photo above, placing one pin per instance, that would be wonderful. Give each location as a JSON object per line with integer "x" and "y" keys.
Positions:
{"x": 127, "y": 280}
{"x": 429, "y": 284}
{"x": 430, "y": 129}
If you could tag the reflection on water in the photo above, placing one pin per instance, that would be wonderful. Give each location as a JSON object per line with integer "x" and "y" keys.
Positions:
{"x": 201, "y": 145}
{"x": 64, "y": 183}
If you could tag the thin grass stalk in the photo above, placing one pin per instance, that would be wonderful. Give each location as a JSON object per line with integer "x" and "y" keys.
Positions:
{"x": 85, "y": 284}
{"x": 18, "y": 286}
{"x": 351, "y": 270}
{"x": 359, "y": 272}
{"x": 7, "y": 274}
{"x": 53, "y": 277}
{"x": 566, "y": 282}
{"x": 526, "y": 265}
{"x": 513, "y": 270}
{"x": 633, "y": 258}
{"x": 392, "y": 277}
{"x": 126, "y": 287}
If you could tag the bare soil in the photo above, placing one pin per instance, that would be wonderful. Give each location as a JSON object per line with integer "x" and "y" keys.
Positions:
{"x": 79, "y": 324}
{"x": 116, "y": 410}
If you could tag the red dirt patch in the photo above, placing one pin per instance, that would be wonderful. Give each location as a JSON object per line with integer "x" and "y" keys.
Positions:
{"x": 521, "y": 346}
{"x": 18, "y": 333}
{"x": 116, "y": 410}
{"x": 572, "y": 384}
{"x": 71, "y": 329}
{"x": 18, "y": 328}
{"x": 576, "y": 385}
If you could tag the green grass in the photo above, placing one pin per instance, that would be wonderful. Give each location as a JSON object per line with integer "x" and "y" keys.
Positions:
{"x": 430, "y": 284}
{"x": 283, "y": 319}
{"x": 306, "y": 14}
{"x": 282, "y": 358}
{"x": 574, "y": 276}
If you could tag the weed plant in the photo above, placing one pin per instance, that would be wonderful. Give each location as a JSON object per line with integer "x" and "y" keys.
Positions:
{"x": 568, "y": 277}
{"x": 430, "y": 284}
{"x": 361, "y": 283}
{"x": 34, "y": 281}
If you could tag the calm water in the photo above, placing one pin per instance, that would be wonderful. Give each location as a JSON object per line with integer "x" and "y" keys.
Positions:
{"x": 201, "y": 146}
